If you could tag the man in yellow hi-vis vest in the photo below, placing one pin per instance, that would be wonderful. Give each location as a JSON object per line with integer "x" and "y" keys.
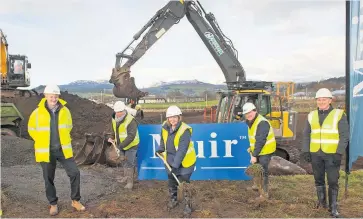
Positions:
{"x": 50, "y": 126}
{"x": 325, "y": 138}
{"x": 127, "y": 140}
{"x": 262, "y": 140}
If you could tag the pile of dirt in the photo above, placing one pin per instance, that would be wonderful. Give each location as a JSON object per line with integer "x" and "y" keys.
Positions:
{"x": 88, "y": 116}
{"x": 16, "y": 151}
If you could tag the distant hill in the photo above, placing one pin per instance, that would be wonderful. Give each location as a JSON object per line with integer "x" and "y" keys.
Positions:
{"x": 186, "y": 87}
{"x": 331, "y": 83}
{"x": 189, "y": 88}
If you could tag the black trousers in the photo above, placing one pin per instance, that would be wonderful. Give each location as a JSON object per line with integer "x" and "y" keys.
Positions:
{"x": 264, "y": 160}
{"x": 325, "y": 164}
{"x": 173, "y": 184}
{"x": 72, "y": 171}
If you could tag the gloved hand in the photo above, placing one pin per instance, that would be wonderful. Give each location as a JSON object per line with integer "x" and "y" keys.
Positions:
{"x": 174, "y": 170}
{"x": 306, "y": 156}
{"x": 337, "y": 159}
{"x": 158, "y": 152}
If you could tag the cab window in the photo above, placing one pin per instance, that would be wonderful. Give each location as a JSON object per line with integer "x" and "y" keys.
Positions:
{"x": 264, "y": 105}
{"x": 18, "y": 67}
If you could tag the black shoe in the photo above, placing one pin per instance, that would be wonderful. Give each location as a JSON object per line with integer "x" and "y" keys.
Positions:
{"x": 265, "y": 187}
{"x": 321, "y": 193}
{"x": 187, "y": 211}
{"x": 333, "y": 202}
{"x": 173, "y": 198}
{"x": 172, "y": 203}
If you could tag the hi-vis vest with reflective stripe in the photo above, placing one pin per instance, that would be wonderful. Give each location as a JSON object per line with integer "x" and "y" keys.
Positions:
{"x": 327, "y": 136}
{"x": 270, "y": 145}
{"x": 39, "y": 130}
{"x": 191, "y": 156}
{"x": 122, "y": 131}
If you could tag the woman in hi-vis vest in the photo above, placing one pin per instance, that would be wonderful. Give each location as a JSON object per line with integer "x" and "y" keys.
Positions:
{"x": 177, "y": 149}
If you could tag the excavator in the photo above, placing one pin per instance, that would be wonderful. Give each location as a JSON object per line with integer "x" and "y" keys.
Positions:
{"x": 14, "y": 72}
{"x": 239, "y": 91}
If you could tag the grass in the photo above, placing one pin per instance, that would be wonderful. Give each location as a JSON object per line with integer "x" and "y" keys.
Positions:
{"x": 192, "y": 105}
{"x": 291, "y": 197}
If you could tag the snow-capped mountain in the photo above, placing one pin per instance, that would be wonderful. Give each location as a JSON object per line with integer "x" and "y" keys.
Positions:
{"x": 190, "y": 87}
{"x": 88, "y": 82}
{"x": 178, "y": 82}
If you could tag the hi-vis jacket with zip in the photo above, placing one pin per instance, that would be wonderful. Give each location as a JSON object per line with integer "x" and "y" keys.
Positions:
{"x": 39, "y": 130}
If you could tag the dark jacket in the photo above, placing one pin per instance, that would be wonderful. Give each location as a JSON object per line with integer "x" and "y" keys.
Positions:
{"x": 55, "y": 144}
{"x": 343, "y": 129}
{"x": 174, "y": 157}
{"x": 262, "y": 131}
{"x": 131, "y": 132}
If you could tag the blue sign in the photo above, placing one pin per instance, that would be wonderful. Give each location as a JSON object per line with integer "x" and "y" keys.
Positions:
{"x": 356, "y": 81}
{"x": 221, "y": 152}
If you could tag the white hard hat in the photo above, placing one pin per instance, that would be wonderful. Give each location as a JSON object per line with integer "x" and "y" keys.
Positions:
{"x": 248, "y": 107}
{"x": 51, "y": 89}
{"x": 119, "y": 106}
{"x": 323, "y": 92}
{"x": 173, "y": 111}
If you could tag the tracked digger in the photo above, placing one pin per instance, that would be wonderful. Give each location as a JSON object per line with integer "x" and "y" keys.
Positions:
{"x": 239, "y": 90}
{"x": 14, "y": 71}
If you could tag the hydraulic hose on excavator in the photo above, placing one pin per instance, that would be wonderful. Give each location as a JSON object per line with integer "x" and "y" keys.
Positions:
{"x": 207, "y": 28}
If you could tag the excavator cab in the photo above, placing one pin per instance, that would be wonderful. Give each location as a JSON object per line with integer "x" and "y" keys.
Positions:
{"x": 268, "y": 105}
{"x": 14, "y": 72}
{"x": 18, "y": 73}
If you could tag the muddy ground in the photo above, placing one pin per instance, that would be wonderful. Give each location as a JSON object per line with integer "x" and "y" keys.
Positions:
{"x": 23, "y": 187}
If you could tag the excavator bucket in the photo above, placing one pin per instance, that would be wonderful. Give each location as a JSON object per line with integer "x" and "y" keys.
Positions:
{"x": 90, "y": 151}
{"x": 97, "y": 150}
{"x": 124, "y": 84}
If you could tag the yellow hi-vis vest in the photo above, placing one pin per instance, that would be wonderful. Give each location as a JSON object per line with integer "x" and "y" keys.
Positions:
{"x": 122, "y": 131}
{"x": 39, "y": 130}
{"x": 327, "y": 136}
{"x": 191, "y": 156}
{"x": 270, "y": 145}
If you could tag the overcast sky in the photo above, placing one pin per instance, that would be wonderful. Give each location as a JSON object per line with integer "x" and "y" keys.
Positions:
{"x": 72, "y": 40}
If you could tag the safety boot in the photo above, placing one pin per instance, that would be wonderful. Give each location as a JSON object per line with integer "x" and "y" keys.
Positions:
{"x": 253, "y": 187}
{"x": 321, "y": 194}
{"x": 173, "y": 198}
{"x": 188, "y": 204}
{"x": 77, "y": 205}
{"x": 130, "y": 178}
{"x": 333, "y": 202}
{"x": 53, "y": 210}
{"x": 123, "y": 178}
{"x": 265, "y": 187}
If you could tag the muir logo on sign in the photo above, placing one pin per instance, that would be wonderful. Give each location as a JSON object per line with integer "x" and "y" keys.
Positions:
{"x": 221, "y": 152}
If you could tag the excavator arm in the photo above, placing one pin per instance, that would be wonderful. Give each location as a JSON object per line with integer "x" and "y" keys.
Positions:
{"x": 208, "y": 30}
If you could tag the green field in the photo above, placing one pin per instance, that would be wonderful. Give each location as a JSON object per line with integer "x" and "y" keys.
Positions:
{"x": 194, "y": 105}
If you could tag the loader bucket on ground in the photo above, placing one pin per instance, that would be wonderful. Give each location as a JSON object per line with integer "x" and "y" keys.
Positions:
{"x": 124, "y": 84}
{"x": 97, "y": 150}
{"x": 90, "y": 151}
